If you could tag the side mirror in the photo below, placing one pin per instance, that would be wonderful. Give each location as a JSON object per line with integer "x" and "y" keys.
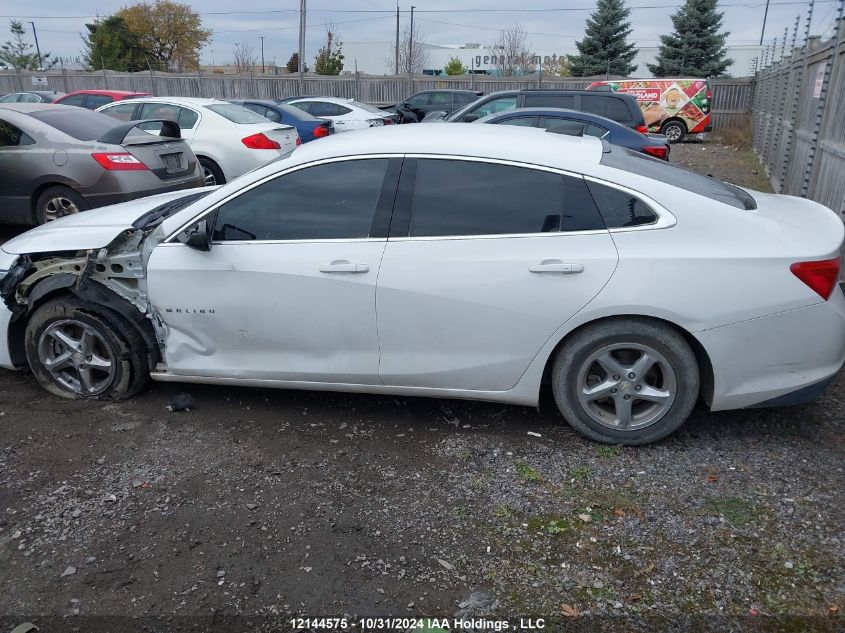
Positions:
{"x": 469, "y": 118}
{"x": 197, "y": 236}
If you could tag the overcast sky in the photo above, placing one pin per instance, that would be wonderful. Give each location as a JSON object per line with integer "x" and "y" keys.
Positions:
{"x": 60, "y": 23}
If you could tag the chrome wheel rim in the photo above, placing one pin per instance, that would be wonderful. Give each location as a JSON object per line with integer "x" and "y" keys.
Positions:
{"x": 626, "y": 386}
{"x": 77, "y": 357}
{"x": 59, "y": 207}
{"x": 210, "y": 180}
{"x": 673, "y": 132}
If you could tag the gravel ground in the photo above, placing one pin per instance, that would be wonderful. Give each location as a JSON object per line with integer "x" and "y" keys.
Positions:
{"x": 261, "y": 504}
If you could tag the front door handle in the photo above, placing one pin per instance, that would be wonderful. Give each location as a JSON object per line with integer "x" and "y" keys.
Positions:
{"x": 344, "y": 266}
{"x": 556, "y": 266}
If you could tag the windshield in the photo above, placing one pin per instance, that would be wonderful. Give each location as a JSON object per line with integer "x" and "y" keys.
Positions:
{"x": 236, "y": 113}
{"x": 156, "y": 215}
{"x": 79, "y": 123}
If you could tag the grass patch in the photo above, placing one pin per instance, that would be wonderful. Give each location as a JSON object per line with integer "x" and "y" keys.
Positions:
{"x": 738, "y": 512}
{"x": 579, "y": 473}
{"x": 608, "y": 451}
{"x": 550, "y": 524}
{"x": 502, "y": 511}
{"x": 527, "y": 474}
{"x": 465, "y": 455}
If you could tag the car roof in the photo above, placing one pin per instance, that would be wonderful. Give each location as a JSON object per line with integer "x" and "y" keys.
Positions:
{"x": 26, "y": 108}
{"x": 110, "y": 93}
{"x": 559, "y": 112}
{"x": 194, "y": 101}
{"x": 340, "y": 100}
{"x": 472, "y": 92}
{"x": 499, "y": 142}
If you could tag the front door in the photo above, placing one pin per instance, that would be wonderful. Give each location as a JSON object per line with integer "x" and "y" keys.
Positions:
{"x": 287, "y": 291}
{"x": 487, "y": 261}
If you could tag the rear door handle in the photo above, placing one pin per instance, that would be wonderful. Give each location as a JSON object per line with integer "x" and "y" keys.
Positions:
{"x": 556, "y": 266}
{"x": 344, "y": 266}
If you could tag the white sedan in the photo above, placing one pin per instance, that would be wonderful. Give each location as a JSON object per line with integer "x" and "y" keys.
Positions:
{"x": 228, "y": 139}
{"x": 347, "y": 114}
{"x": 480, "y": 262}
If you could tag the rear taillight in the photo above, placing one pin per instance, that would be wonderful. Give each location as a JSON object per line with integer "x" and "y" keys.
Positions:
{"x": 642, "y": 129}
{"x": 820, "y": 276}
{"x": 260, "y": 141}
{"x": 118, "y": 161}
{"x": 658, "y": 151}
{"x": 388, "y": 121}
{"x": 298, "y": 141}
{"x": 320, "y": 131}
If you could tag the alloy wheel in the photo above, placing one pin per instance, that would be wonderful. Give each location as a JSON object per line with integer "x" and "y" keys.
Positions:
{"x": 210, "y": 180}
{"x": 77, "y": 357}
{"x": 626, "y": 386}
{"x": 59, "y": 207}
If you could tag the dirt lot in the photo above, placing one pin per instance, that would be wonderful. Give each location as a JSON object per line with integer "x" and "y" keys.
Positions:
{"x": 261, "y": 504}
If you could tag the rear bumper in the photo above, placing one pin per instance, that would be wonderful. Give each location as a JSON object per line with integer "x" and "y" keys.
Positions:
{"x": 785, "y": 358}
{"x": 97, "y": 198}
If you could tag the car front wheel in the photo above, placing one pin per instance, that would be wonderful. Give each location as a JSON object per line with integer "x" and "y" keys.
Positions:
{"x": 626, "y": 381}
{"x": 81, "y": 350}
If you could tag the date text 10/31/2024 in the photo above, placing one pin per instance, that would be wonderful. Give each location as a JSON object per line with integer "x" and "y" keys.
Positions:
{"x": 412, "y": 624}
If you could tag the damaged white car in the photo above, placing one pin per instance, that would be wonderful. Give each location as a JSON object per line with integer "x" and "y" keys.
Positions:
{"x": 480, "y": 262}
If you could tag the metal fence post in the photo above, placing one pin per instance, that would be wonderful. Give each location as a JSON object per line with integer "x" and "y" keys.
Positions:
{"x": 817, "y": 120}
{"x": 252, "y": 86}
{"x": 786, "y": 155}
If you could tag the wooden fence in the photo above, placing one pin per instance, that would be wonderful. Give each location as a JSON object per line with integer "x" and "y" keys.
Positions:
{"x": 730, "y": 96}
{"x": 799, "y": 121}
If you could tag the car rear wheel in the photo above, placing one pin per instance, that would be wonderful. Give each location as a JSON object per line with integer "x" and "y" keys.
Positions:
{"x": 675, "y": 131}
{"x": 626, "y": 381}
{"x": 81, "y": 350}
{"x": 211, "y": 172}
{"x": 57, "y": 202}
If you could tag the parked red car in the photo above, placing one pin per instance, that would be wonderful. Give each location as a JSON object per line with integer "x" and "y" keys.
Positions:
{"x": 93, "y": 99}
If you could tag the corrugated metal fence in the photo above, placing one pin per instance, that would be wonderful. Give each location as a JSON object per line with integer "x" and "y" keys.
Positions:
{"x": 799, "y": 121}
{"x": 730, "y": 96}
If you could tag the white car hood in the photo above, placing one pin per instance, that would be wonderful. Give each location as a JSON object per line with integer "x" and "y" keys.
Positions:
{"x": 89, "y": 229}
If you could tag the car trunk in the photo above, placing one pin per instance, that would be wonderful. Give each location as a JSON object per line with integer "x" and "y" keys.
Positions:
{"x": 167, "y": 158}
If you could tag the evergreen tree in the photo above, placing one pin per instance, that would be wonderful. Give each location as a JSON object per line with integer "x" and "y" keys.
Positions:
{"x": 110, "y": 44}
{"x": 455, "y": 67}
{"x": 18, "y": 53}
{"x": 293, "y": 63}
{"x": 605, "y": 47}
{"x": 696, "y": 48}
{"x": 330, "y": 58}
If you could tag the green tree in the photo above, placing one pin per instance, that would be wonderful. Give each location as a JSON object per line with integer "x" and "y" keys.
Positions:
{"x": 329, "y": 59}
{"x": 18, "y": 53}
{"x": 605, "y": 47}
{"x": 110, "y": 44}
{"x": 455, "y": 67}
{"x": 696, "y": 48}
{"x": 171, "y": 33}
{"x": 293, "y": 63}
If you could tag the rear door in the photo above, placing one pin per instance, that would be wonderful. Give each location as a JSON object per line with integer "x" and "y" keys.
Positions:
{"x": 486, "y": 260}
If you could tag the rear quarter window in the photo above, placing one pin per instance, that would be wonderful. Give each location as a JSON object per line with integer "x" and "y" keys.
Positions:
{"x": 662, "y": 171}
{"x": 607, "y": 106}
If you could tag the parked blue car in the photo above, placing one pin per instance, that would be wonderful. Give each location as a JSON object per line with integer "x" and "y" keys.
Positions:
{"x": 578, "y": 123}
{"x": 308, "y": 126}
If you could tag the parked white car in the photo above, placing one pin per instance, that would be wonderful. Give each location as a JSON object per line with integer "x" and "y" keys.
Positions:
{"x": 347, "y": 114}
{"x": 477, "y": 261}
{"x": 228, "y": 139}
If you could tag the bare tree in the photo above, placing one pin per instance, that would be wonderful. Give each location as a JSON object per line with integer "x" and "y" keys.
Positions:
{"x": 512, "y": 54}
{"x": 419, "y": 56}
{"x": 245, "y": 58}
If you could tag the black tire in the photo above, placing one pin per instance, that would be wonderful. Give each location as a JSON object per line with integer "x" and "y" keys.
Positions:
{"x": 574, "y": 357}
{"x": 212, "y": 170}
{"x": 675, "y": 131}
{"x": 58, "y": 201}
{"x": 116, "y": 340}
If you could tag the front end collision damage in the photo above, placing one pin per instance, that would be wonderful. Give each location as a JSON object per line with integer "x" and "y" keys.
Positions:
{"x": 112, "y": 277}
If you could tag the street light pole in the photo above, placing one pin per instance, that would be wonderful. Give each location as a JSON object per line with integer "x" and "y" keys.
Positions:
{"x": 411, "y": 44}
{"x": 301, "y": 46}
{"x": 397, "y": 37}
{"x": 263, "y": 69}
{"x": 37, "y": 49}
{"x": 765, "y": 16}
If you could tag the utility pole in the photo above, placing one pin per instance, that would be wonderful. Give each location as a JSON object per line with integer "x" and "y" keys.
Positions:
{"x": 263, "y": 69}
{"x": 301, "y": 47}
{"x": 37, "y": 49}
{"x": 397, "y": 38}
{"x": 765, "y": 16}
{"x": 411, "y": 45}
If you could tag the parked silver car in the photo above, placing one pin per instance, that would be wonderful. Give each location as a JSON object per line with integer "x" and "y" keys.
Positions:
{"x": 58, "y": 160}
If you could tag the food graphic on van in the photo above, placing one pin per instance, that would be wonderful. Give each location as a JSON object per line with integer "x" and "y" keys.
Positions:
{"x": 674, "y": 107}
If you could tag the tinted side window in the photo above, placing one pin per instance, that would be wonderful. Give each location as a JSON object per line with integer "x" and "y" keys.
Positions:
{"x": 441, "y": 98}
{"x": 471, "y": 198}
{"x": 608, "y": 106}
{"x": 619, "y": 208}
{"x": 331, "y": 201}
{"x": 159, "y": 111}
{"x": 549, "y": 101}
{"x": 187, "y": 118}
{"x": 95, "y": 101}
{"x": 564, "y": 126}
{"x": 524, "y": 121}
{"x": 496, "y": 105}
{"x": 13, "y": 136}
{"x": 121, "y": 112}
{"x": 73, "y": 100}
{"x": 418, "y": 100}
{"x": 595, "y": 130}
